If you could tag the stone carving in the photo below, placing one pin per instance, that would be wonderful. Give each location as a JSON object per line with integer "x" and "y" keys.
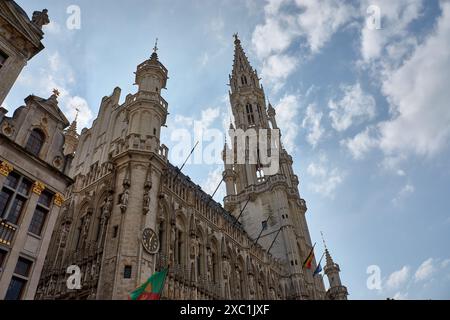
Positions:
{"x": 6, "y": 168}
{"x": 124, "y": 198}
{"x": 64, "y": 232}
{"x": 146, "y": 205}
{"x": 38, "y": 187}
{"x": 40, "y": 18}
{"x": 58, "y": 199}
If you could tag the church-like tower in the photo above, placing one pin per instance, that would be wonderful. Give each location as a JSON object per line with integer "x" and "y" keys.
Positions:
{"x": 269, "y": 200}
{"x": 336, "y": 291}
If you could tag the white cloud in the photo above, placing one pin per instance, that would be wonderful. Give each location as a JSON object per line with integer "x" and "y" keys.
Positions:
{"x": 398, "y": 278}
{"x": 312, "y": 122}
{"x": 320, "y": 19}
{"x": 277, "y": 68}
{"x": 445, "y": 263}
{"x": 211, "y": 182}
{"x": 407, "y": 190}
{"x": 421, "y": 123}
{"x": 360, "y": 144}
{"x": 392, "y": 38}
{"x": 325, "y": 179}
{"x": 425, "y": 271}
{"x": 400, "y": 296}
{"x": 287, "y": 119}
{"x": 58, "y": 75}
{"x": 288, "y": 20}
{"x": 355, "y": 107}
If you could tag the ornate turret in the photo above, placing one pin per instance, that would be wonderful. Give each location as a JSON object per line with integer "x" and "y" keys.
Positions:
{"x": 336, "y": 291}
{"x": 71, "y": 137}
{"x": 152, "y": 75}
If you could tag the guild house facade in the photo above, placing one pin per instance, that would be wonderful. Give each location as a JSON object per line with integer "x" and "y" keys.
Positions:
{"x": 130, "y": 212}
{"x": 35, "y": 157}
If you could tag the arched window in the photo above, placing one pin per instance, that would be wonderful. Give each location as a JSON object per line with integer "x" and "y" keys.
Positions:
{"x": 35, "y": 142}
{"x": 244, "y": 80}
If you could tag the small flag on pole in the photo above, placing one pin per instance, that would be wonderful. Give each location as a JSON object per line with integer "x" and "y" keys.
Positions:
{"x": 319, "y": 267}
{"x": 308, "y": 262}
{"x": 318, "y": 270}
{"x": 151, "y": 289}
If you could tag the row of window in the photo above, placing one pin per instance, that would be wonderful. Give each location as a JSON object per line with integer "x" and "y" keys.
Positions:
{"x": 20, "y": 277}
{"x": 13, "y": 197}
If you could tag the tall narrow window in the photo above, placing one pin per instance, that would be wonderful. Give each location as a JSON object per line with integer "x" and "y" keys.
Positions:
{"x": 19, "y": 280}
{"x": 250, "y": 116}
{"x": 41, "y": 213}
{"x": 3, "y": 58}
{"x": 35, "y": 142}
{"x": 13, "y": 197}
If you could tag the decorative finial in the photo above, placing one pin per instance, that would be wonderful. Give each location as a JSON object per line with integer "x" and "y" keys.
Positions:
{"x": 155, "y": 48}
{"x": 236, "y": 36}
{"x": 323, "y": 240}
{"x": 76, "y": 115}
{"x": 56, "y": 92}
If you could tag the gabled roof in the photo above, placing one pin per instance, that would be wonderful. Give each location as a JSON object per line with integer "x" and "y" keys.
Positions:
{"x": 50, "y": 105}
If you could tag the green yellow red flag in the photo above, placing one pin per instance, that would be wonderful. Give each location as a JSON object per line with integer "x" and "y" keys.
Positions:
{"x": 152, "y": 288}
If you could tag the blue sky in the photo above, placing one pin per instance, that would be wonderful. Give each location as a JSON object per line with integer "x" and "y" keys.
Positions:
{"x": 365, "y": 112}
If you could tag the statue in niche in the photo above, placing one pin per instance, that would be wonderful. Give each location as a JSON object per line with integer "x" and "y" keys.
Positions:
{"x": 64, "y": 233}
{"x": 124, "y": 198}
{"x": 147, "y": 201}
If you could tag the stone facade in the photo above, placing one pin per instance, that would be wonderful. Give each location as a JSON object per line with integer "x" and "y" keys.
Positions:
{"x": 33, "y": 179}
{"x": 20, "y": 40}
{"x": 125, "y": 185}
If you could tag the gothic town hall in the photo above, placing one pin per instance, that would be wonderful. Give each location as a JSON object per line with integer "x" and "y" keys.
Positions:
{"x": 126, "y": 212}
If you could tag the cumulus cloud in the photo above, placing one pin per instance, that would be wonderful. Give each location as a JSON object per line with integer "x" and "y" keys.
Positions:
{"x": 407, "y": 190}
{"x": 277, "y": 68}
{"x": 355, "y": 107}
{"x": 425, "y": 271}
{"x": 360, "y": 144}
{"x": 312, "y": 123}
{"x": 58, "y": 75}
{"x": 287, "y": 20}
{"x": 417, "y": 93}
{"x": 325, "y": 179}
{"x": 287, "y": 119}
{"x": 392, "y": 38}
{"x": 398, "y": 278}
{"x": 421, "y": 123}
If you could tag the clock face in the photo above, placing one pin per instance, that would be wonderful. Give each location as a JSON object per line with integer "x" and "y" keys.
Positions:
{"x": 150, "y": 241}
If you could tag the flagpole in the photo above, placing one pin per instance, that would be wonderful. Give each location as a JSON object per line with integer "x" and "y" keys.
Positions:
{"x": 164, "y": 283}
{"x": 192, "y": 151}
{"x": 262, "y": 230}
{"x": 242, "y": 211}
{"x": 273, "y": 242}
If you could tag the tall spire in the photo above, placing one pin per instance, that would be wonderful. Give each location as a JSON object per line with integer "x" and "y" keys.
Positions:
{"x": 241, "y": 64}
